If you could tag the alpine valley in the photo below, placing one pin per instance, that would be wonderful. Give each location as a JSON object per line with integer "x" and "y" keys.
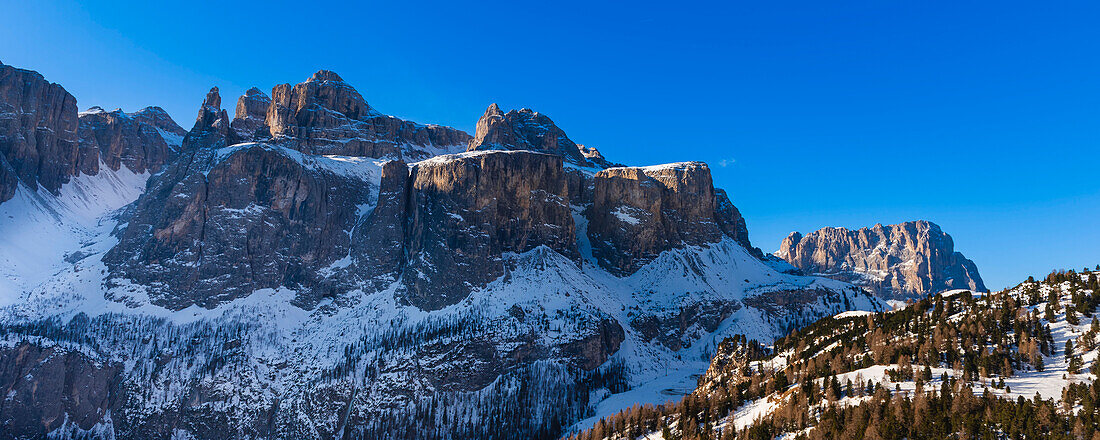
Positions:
{"x": 311, "y": 268}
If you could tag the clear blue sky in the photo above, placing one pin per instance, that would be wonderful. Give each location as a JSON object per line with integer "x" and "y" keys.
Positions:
{"x": 983, "y": 117}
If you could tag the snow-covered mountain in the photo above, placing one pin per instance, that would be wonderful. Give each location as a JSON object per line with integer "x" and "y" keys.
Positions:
{"x": 313, "y": 268}
{"x": 1019, "y": 363}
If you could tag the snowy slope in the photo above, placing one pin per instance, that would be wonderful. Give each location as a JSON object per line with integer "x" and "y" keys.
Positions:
{"x": 1026, "y": 381}
{"x": 45, "y": 234}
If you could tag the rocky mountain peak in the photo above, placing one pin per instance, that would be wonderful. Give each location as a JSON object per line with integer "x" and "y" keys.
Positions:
{"x": 210, "y": 111}
{"x": 325, "y": 75}
{"x": 213, "y": 99}
{"x": 211, "y": 125}
{"x": 324, "y": 91}
{"x": 592, "y": 154}
{"x": 251, "y": 114}
{"x": 526, "y": 129}
{"x": 152, "y": 112}
{"x": 901, "y": 261}
{"x": 143, "y": 141}
{"x": 325, "y": 115}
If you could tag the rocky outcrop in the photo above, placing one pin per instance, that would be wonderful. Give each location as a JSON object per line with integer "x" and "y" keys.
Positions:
{"x": 325, "y": 115}
{"x": 674, "y": 329}
{"x": 730, "y": 222}
{"x": 529, "y": 130}
{"x": 902, "y": 261}
{"x": 38, "y": 132}
{"x": 48, "y": 389}
{"x": 250, "y": 119}
{"x": 211, "y": 129}
{"x": 9, "y": 180}
{"x": 593, "y": 350}
{"x": 142, "y": 142}
{"x": 260, "y": 219}
{"x": 639, "y": 212}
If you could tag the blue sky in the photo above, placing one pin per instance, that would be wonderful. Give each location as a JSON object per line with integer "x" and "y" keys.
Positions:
{"x": 983, "y": 117}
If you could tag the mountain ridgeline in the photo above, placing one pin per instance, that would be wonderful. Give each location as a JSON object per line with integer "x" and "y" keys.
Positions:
{"x": 311, "y": 268}
{"x": 904, "y": 261}
{"x": 44, "y": 142}
{"x": 1020, "y": 363}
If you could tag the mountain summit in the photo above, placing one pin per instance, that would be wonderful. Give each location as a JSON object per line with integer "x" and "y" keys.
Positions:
{"x": 903, "y": 261}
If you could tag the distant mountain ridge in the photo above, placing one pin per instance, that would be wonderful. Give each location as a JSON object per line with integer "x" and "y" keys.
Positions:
{"x": 902, "y": 261}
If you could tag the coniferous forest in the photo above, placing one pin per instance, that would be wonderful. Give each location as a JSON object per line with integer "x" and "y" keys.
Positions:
{"x": 946, "y": 368}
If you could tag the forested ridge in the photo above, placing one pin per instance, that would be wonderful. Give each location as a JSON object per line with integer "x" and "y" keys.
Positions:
{"x": 1016, "y": 364}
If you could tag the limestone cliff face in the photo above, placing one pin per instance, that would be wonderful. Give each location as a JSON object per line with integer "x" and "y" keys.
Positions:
{"x": 143, "y": 141}
{"x": 634, "y": 213}
{"x": 639, "y": 212}
{"x": 906, "y": 260}
{"x": 38, "y": 132}
{"x": 325, "y": 115}
{"x": 456, "y": 215}
{"x": 226, "y": 219}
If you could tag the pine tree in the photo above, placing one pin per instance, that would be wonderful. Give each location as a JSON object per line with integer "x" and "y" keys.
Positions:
{"x": 1074, "y": 365}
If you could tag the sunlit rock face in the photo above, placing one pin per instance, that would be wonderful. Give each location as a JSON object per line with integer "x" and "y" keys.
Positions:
{"x": 907, "y": 260}
{"x": 639, "y": 212}
{"x": 526, "y": 129}
{"x": 464, "y": 211}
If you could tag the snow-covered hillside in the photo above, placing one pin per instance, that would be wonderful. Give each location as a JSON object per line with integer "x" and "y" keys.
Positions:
{"x": 44, "y": 234}
{"x": 1035, "y": 344}
{"x": 545, "y": 301}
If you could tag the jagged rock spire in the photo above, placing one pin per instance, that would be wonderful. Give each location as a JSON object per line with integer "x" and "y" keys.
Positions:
{"x": 212, "y": 119}
{"x": 209, "y": 111}
{"x": 492, "y": 116}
